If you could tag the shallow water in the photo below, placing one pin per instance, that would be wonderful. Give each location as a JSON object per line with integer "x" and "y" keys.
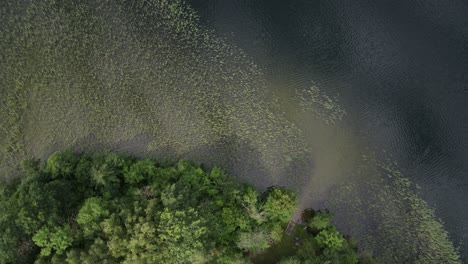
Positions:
{"x": 400, "y": 69}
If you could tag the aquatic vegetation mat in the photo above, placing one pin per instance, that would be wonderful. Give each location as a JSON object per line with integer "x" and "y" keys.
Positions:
{"x": 111, "y": 71}
{"x": 325, "y": 107}
{"x": 401, "y": 227}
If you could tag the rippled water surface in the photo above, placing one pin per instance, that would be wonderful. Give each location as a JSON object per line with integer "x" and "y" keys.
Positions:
{"x": 400, "y": 68}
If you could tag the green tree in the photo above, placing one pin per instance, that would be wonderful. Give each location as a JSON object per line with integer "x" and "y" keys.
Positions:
{"x": 139, "y": 171}
{"x": 115, "y": 209}
{"x": 249, "y": 200}
{"x": 61, "y": 164}
{"x": 279, "y": 204}
{"x": 234, "y": 218}
{"x": 291, "y": 260}
{"x": 97, "y": 252}
{"x": 254, "y": 242}
{"x": 35, "y": 206}
{"x": 321, "y": 220}
{"x": 56, "y": 238}
{"x": 330, "y": 239}
{"x": 182, "y": 233}
{"x": 93, "y": 211}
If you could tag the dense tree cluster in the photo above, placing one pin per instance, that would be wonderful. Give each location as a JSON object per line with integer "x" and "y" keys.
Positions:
{"x": 117, "y": 209}
{"x": 323, "y": 243}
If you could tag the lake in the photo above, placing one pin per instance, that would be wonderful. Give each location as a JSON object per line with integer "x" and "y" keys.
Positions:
{"x": 399, "y": 68}
{"x": 358, "y": 106}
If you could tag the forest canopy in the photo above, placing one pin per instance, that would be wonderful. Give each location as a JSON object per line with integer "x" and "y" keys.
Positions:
{"x": 111, "y": 208}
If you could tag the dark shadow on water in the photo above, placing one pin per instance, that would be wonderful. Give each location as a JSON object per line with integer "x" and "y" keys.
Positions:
{"x": 236, "y": 156}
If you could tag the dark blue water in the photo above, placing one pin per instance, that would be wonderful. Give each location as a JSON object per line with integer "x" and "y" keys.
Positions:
{"x": 400, "y": 66}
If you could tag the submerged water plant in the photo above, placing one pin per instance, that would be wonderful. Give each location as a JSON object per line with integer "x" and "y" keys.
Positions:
{"x": 325, "y": 107}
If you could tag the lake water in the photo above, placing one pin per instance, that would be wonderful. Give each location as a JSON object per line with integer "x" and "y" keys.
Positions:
{"x": 360, "y": 106}
{"x": 399, "y": 68}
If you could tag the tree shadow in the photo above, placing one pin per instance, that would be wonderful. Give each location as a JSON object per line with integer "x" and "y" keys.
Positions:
{"x": 238, "y": 157}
